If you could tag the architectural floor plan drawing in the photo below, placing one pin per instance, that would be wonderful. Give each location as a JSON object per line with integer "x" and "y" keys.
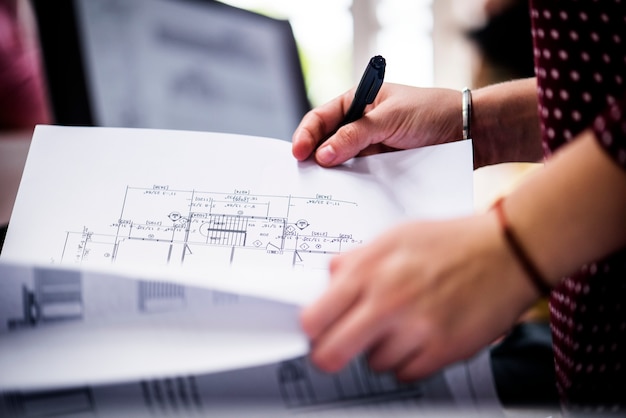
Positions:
{"x": 163, "y": 225}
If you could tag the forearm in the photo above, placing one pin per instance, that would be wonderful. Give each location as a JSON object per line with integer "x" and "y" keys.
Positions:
{"x": 505, "y": 123}
{"x": 571, "y": 212}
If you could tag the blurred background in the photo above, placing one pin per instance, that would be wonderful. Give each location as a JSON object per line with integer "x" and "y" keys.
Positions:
{"x": 336, "y": 38}
{"x": 445, "y": 43}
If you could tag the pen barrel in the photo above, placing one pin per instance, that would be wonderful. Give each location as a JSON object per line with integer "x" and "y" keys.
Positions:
{"x": 354, "y": 113}
{"x": 368, "y": 88}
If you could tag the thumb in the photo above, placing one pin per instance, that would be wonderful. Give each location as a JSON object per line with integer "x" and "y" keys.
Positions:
{"x": 347, "y": 142}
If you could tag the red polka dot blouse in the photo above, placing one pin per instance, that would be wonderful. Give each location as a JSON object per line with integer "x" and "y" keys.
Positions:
{"x": 580, "y": 63}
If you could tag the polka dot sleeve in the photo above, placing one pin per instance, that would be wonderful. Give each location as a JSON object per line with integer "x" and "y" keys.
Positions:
{"x": 580, "y": 62}
{"x": 610, "y": 130}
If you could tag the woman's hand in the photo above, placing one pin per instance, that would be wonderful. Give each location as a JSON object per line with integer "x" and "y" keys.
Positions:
{"x": 401, "y": 117}
{"x": 419, "y": 297}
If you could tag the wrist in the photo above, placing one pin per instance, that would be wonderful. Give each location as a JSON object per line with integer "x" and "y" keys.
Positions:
{"x": 505, "y": 123}
{"x": 515, "y": 292}
{"x": 517, "y": 249}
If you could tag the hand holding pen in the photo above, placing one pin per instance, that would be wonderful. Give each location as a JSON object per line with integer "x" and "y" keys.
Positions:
{"x": 366, "y": 92}
{"x": 398, "y": 117}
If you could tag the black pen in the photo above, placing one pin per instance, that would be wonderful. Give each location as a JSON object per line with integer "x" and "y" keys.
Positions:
{"x": 366, "y": 92}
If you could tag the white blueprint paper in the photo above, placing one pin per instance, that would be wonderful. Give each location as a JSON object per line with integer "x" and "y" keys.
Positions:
{"x": 60, "y": 327}
{"x": 78, "y": 341}
{"x": 190, "y": 205}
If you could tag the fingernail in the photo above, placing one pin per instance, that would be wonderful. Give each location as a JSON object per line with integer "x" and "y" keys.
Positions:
{"x": 326, "y": 154}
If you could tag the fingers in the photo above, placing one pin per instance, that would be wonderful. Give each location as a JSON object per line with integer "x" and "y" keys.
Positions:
{"x": 319, "y": 126}
{"x": 317, "y": 318}
{"x": 417, "y": 366}
{"x": 396, "y": 348}
{"x": 346, "y": 338}
{"x": 347, "y": 142}
{"x": 340, "y": 322}
{"x": 316, "y": 125}
{"x": 410, "y": 355}
{"x": 407, "y": 355}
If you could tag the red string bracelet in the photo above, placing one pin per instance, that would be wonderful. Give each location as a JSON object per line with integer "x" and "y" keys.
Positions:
{"x": 529, "y": 267}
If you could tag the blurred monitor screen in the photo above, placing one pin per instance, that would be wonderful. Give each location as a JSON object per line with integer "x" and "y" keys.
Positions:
{"x": 171, "y": 64}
